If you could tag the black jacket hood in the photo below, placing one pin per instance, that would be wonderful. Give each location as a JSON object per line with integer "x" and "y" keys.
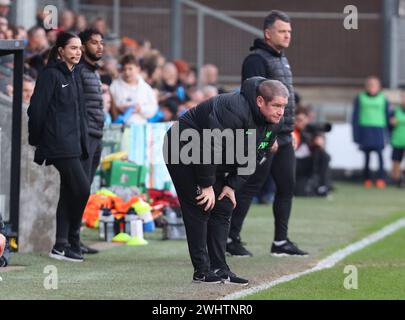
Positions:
{"x": 249, "y": 91}
{"x": 261, "y": 44}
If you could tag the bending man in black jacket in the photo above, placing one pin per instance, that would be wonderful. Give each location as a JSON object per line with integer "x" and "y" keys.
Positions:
{"x": 267, "y": 60}
{"x": 93, "y": 46}
{"x": 206, "y": 181}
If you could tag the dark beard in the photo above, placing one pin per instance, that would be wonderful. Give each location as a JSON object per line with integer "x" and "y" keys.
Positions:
{"x": 92, "y": 57}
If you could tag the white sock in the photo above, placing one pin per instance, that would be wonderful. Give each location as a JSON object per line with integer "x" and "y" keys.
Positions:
{"x": 279, "y": 243}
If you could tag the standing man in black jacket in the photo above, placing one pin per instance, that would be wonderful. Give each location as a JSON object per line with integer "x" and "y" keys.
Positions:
{"x": 267, "y": 60}
{"x": 93, "y": 47}
{"x": 205, "y": 186}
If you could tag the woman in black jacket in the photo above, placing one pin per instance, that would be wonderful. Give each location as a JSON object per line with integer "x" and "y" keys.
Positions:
{"x": 57, "y": 128}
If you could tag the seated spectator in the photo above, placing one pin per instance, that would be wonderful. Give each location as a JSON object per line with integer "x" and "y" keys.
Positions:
{"x": 171, "y": 86}
{"x": 152, "y": 67}
{"x": 132, "y": 97}
{"x": 187, "y": 75}
{"x": 209, "y": 77}
{"x": 106, "y": 105}
{"x": 108, "y": 70}
{"x": 312, "y": 169}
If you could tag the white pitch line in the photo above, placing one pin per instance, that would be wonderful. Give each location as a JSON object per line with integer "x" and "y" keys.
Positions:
{"x": 328, "y": 262}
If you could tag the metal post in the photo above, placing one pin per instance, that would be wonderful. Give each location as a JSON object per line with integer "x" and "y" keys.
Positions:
{"x": 390, "y": 8}
{"x": 176, "y": 29}
{"x": 116, "y": 17}
{"x": 200, "y": 43}
{"x": 16, "y": 141}
{"x": 26, "y": 13}
{"x": 394, "y": 63}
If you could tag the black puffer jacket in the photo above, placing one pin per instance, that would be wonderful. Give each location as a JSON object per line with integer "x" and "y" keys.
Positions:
{"x": 57, "y": 123}
{"x": 264, "y": 61}
{"x": 231, "y": 111}
{"x": 93, "y": 98}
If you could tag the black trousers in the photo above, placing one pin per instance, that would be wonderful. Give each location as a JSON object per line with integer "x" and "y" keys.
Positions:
{"x": 281, "y": 166}
{"x": 74, "y": 193}
{"x": 367, "y": 171}
{"x": 91, "y": 163}
{"x": 207, "y": 232}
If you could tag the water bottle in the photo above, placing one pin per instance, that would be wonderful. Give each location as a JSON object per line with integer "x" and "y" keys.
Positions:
{"x": 109, "y": 223}
{"x": 130, "y": 219}
{"x": 106, "y": 225}
{"x": 101, "y": 220}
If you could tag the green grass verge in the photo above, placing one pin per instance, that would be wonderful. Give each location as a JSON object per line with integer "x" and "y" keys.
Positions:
{"x": 380, "y": 275}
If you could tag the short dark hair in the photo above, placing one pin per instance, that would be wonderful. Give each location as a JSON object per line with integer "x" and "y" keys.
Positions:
{"x": 129, "y": 59}
{"x": 273, "y": 16}
{"x": 88, "y": 33}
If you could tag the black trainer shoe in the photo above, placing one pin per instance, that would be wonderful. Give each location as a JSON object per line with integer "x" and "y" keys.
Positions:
{"x": 65, "y": 254}
{"x": 206, "y": 277}
{"x": 287, "y": 249}
{"x": 229, "y": 277}
{"x": 235, "y": 248}
{"x": 87, "y": 250}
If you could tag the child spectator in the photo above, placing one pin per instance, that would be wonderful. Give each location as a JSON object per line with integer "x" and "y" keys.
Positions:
{"x": 132, "y": 97}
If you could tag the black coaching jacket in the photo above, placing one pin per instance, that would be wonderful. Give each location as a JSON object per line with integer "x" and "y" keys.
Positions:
{"x": 266, "y": 62}
{"x": 232, "y": 111}
{"x": 57, "y": 123}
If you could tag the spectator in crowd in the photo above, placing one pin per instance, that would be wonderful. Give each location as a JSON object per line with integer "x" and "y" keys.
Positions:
{"x": 3, "y": 25}
{"x": 100, "y": 24}
{"x": 370, "y": 120}
{"x": 4, "y": 8}
{"x": 397, "y": 121}
{"x": 171, "y": 86}
{"x": 152, "y": 65}
{"x": 67, "y": 21}
{"x": 312, "y": 169}
{"x": 128, "y": 46}
{"x": 28, "y": 89}
{"x": 112, "y": 45}
{"x": 80, "y": 23}
{"x": 107, "y": 105}
{"x": 187, "y": 76}
{"x": 209, "y": 77}
{"x": 51, "y": 35}
{"x": 37, "y": 42}
{"x": 132, "y": 97}
{"x": 108, "y": 70}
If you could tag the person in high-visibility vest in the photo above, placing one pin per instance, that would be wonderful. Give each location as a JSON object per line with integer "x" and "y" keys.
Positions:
{"x": 397, "y": 121}
{"x": 370, "y": 123}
